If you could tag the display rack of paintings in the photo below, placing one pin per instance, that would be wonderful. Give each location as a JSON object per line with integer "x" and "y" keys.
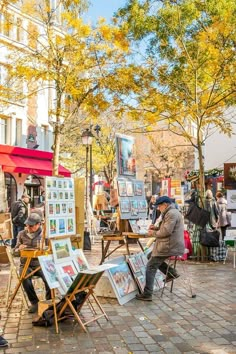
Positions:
{"x": 132, "y": 199}
{"x": 60, "y": 206}
{"x": 61, "y": 268}
{"x": 137, "y": 263}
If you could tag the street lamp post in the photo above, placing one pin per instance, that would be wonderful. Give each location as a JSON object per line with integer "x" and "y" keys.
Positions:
{"x": 87, "y": 139}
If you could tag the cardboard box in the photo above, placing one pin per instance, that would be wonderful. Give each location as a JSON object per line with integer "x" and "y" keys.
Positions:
{"x": 3, "y": 255}
{"x": 6, "y": 226}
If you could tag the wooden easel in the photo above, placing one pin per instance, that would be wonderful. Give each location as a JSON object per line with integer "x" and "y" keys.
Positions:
{"x": 84, "y": 282}
{"x": 13, "y": 274}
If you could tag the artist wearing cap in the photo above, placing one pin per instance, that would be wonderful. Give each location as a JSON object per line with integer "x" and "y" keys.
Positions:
{"x": 169, "y": 242}
{"x": 29, "y": 238}
{"x": 19, "y": 213}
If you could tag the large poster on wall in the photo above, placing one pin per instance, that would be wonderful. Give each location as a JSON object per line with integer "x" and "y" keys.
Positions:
{"x": 125, "y": 155}
{"x": 60, "y": 206}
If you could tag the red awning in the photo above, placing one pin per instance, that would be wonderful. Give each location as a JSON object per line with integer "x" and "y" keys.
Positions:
{"x": 100, "y": 183}
{"x": 28, "y": 161}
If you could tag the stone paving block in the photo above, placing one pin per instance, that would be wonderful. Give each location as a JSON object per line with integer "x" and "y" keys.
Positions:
{"x": 134, "y": 347}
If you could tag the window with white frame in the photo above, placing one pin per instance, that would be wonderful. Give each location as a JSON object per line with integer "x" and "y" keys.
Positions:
{"x": 4, "y": 130}
{"x": 45, "y": 138}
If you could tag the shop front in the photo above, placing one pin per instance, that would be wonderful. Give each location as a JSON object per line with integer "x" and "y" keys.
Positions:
{"x": 24, "y": 171}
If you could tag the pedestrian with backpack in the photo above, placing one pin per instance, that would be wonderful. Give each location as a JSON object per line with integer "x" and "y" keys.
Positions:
{"x": 19, "y": 213}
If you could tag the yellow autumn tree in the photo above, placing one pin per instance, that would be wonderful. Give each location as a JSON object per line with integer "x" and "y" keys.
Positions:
{"x": 84, "y": 69}
{"x": 190, "y": 52}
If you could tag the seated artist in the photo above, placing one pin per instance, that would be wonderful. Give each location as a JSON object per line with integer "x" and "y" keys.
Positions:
{"x": 30, "y": 238}
{"x": 169, "y": 241}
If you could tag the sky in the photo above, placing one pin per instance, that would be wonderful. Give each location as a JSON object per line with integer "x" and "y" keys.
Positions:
{"x": 103, "y": 8}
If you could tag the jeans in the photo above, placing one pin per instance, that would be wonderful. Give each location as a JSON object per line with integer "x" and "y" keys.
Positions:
{"x": 16, "y": 230}
{"x": 153, "y": 265}
{"x": 29, "y": 288}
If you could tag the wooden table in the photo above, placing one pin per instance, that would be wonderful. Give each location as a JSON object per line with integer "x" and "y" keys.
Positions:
{"x": 132, "y": 236}
{"x": 107, "y": 239}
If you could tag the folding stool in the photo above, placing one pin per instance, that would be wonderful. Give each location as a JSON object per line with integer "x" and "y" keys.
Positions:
{"x": 172, "y": 261}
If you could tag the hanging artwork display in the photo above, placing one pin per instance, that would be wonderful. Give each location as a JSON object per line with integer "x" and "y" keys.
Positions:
{"x": 132, "y": 199}
{"x": 60, "y": 206}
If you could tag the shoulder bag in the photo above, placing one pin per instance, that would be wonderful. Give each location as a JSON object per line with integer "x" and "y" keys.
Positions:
{"x": 209, "y": 237}
{"x": 197, "y": 215}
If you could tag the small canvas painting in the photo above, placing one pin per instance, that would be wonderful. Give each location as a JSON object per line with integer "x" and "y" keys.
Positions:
{"x": 125, "y": 206}
{"x": 62, "y": 226}
{"x": 138, "y": 188}
{"x": 122, "y": 188}
{"x": 134, "y": 207}
{"x": 69, "y": 268}
{"x": 80, "y": 260}
{"x": 129, "y": 189}
{"x": 49, "y": 270}
{"x": 52, "y": 227}
{"x": 70, "y": 226}
{"x": 62, "y": 250}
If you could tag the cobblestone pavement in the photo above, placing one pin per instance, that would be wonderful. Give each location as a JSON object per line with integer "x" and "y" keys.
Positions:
{"x": 172, "y": 324}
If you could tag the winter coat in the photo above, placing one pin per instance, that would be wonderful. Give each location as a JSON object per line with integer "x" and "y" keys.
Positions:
{"x": 212, "y": 207}
{"x": 222, "y": 206}
{"x": 31, "y": 241}
{"x": 170, "y": 236}
{"x": 19, "y": 212}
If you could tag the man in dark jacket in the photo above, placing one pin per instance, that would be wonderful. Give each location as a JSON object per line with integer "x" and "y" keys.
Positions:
{"x": 19, "y": 213}
{"x": 29, "y": 238}
{"x": 169, "y": 242}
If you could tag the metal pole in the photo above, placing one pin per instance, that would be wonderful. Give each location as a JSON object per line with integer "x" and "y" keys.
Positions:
{"x": 91, "y": 176}
{"x": 86, "y": 180}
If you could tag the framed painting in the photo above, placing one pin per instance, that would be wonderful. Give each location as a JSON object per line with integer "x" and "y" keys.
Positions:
{"x": 49, "y": 270}
{"x": 62, "y": 226}
{"x": 231, "y": 199}
{"x": 142, "y": 206}
{"x": 122, "y": 188}
{"x": 230, "y": 175}
{"x": 134, "y": 207}
{"x": 52, "y": 227}
{"x": 125, "y": 206}
{"x": 126, "y": 164}
{"x": 51, "y": 209}
{"x": 65, "y": 282}
{"x": 80, "y": 260}
{"x": 70, "y": 226}
{"x": 62, "y": 250}
{"x": 129, "y": 189}
{"x": 122, "y": 280}
{"x": 138, "y": 188}
{"x": 69, "y": 268}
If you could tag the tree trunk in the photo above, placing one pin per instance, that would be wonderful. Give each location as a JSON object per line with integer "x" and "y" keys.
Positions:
{"x": 56, "y": 150}
{"x": 201, "y": 173}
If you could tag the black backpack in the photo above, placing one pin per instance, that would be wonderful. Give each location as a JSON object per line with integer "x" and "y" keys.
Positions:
{"x": 47, "y": 318}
